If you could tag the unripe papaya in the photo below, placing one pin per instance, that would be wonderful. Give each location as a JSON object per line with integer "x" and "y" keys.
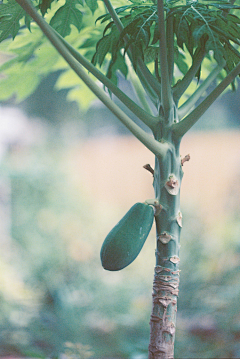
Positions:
{"x": 125, "y": 241}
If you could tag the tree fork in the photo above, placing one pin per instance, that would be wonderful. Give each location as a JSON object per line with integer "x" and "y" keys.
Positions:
{"x": 167, "y": 179}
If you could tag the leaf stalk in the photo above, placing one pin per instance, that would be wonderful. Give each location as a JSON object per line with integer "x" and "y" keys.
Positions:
{"x": 166, "y": 95}
{"x": 142, "y": 70}
{"x": 188, "y": 105}
{"x": 170, "y": 46}
{"x": 183, "y": 126}
{"x": 145, "y": 117}
{"x": 154, "y": 146}
{"x": 181, "y": 86}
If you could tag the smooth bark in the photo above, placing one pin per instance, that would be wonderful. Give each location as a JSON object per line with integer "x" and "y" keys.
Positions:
{"x": 167, "y": 181}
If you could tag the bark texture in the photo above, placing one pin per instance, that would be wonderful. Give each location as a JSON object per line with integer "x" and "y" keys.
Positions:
{"x": 167, "y": 180}
{"x": 163, "y": 317}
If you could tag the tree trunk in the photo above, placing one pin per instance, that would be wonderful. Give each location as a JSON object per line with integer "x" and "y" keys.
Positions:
{"x": 167, "y": 180}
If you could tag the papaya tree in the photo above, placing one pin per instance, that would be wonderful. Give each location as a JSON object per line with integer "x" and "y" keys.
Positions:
{"x": 161, "y": 47}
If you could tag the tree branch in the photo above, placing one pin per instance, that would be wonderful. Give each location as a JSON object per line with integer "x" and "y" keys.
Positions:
{"x": 170, "y": 47}
{"x": 181, "y": 86}
{"x": 183, "y": 126}
{"x": 145, "y": 117}
{"x": 141, "y": 94}
{"x": 114, "y": 15}
{"x": 143, "y": 72}
{"x": 154, "y": 146}
{"x": 187, "y": 106}
{"x": 165, "y": 85}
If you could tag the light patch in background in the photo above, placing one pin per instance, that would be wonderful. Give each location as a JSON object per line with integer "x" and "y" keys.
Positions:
{"x": 17, "y": 129}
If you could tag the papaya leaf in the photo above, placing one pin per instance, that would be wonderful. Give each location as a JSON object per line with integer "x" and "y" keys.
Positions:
{"x": 155, "y": 34}
{"x": 231, "y": 56}
{"x": 92, "y": 4}
{"x": 144, "y": 30}
{"x": 106, "y": 17}
{"x": 198, "y": 24}
{"x": 26, "y": 48}
{"x": 150, "y": 54}
{"x": 67, "y": 15}
{"x": 23, "y": 54}
{"x": 44, "y": 5}
{"x": 225, "y": 6}
{"x": 115, "y": 66}
{"x": 181, "y": 29}
{"x": 233, "y": 18}
{"x": 108, "y": 27}
{"x": 31, "y": 58}
{"x": 180, "y": 61}
{"x": 12, "y": 85}
{"x": 77, "y": 92}
{"x": 10, "y": 15}
{"x": 102, "y": 48}
{"x": 89, "y": 43}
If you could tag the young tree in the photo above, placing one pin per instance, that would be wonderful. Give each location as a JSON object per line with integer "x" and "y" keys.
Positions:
{"x": 162, "y": 46}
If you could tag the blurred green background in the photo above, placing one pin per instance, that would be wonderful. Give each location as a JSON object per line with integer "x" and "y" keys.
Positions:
{"x": 56, "y": 300}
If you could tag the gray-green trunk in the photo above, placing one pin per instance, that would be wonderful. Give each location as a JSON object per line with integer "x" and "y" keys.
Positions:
{"x": 167, "y": 180}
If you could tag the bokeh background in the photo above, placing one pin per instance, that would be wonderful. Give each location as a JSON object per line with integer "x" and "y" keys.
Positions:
{"x": 67, "y": 177}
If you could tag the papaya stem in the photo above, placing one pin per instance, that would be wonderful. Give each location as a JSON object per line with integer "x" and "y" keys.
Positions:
{"x": 189, "y": 104}
{"x": 167, "y": 180}
{"x": 170, "y": 46}
{"x": 148, "y": 81}
{"x": 184, "y": 125}
{"x": 166, "y": 95}
{"x": 182, "y": 85}
{"x": 144, "y": 116}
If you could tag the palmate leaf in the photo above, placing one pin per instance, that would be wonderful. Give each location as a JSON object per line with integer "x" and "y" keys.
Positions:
{"x": 200, "y": 24}
{"x": 180, "y": 61}
{"x": 232, "y": 56}
{"x": 119, "y": 10}
{"x": 92, "y": 4}
{"x": 139, "y": 28}
{"x": 137, "y": 21}
{"x": 76, "y": 91}
{"x": 10, "y": 15}
{"x": 103, "y": 47}
{"x": 67, "y": 15}
{"x": 44, "y": 5}
{"x": 22, "y": 54}
{"x": 13, "y": 84}
{"x": 107, "y": 44}
{"x": 150, "y": 54}
{"x": 33, "y": 59}
{"x": 117, "y": 65}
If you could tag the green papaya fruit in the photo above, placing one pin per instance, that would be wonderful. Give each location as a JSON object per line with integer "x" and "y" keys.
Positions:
{"x": 125, "y": 241}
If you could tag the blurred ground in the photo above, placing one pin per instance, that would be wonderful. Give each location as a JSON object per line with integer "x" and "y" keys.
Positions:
{"x": 60, "y": 196}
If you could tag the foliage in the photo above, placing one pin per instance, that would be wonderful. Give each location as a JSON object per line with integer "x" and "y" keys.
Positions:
{"x": 196, "y": 25}
{"x": 66, "y": 15}
{"x": 11, "y": 13}
{"x": 213, "y": 27}
{"x": 33, "y": 57}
